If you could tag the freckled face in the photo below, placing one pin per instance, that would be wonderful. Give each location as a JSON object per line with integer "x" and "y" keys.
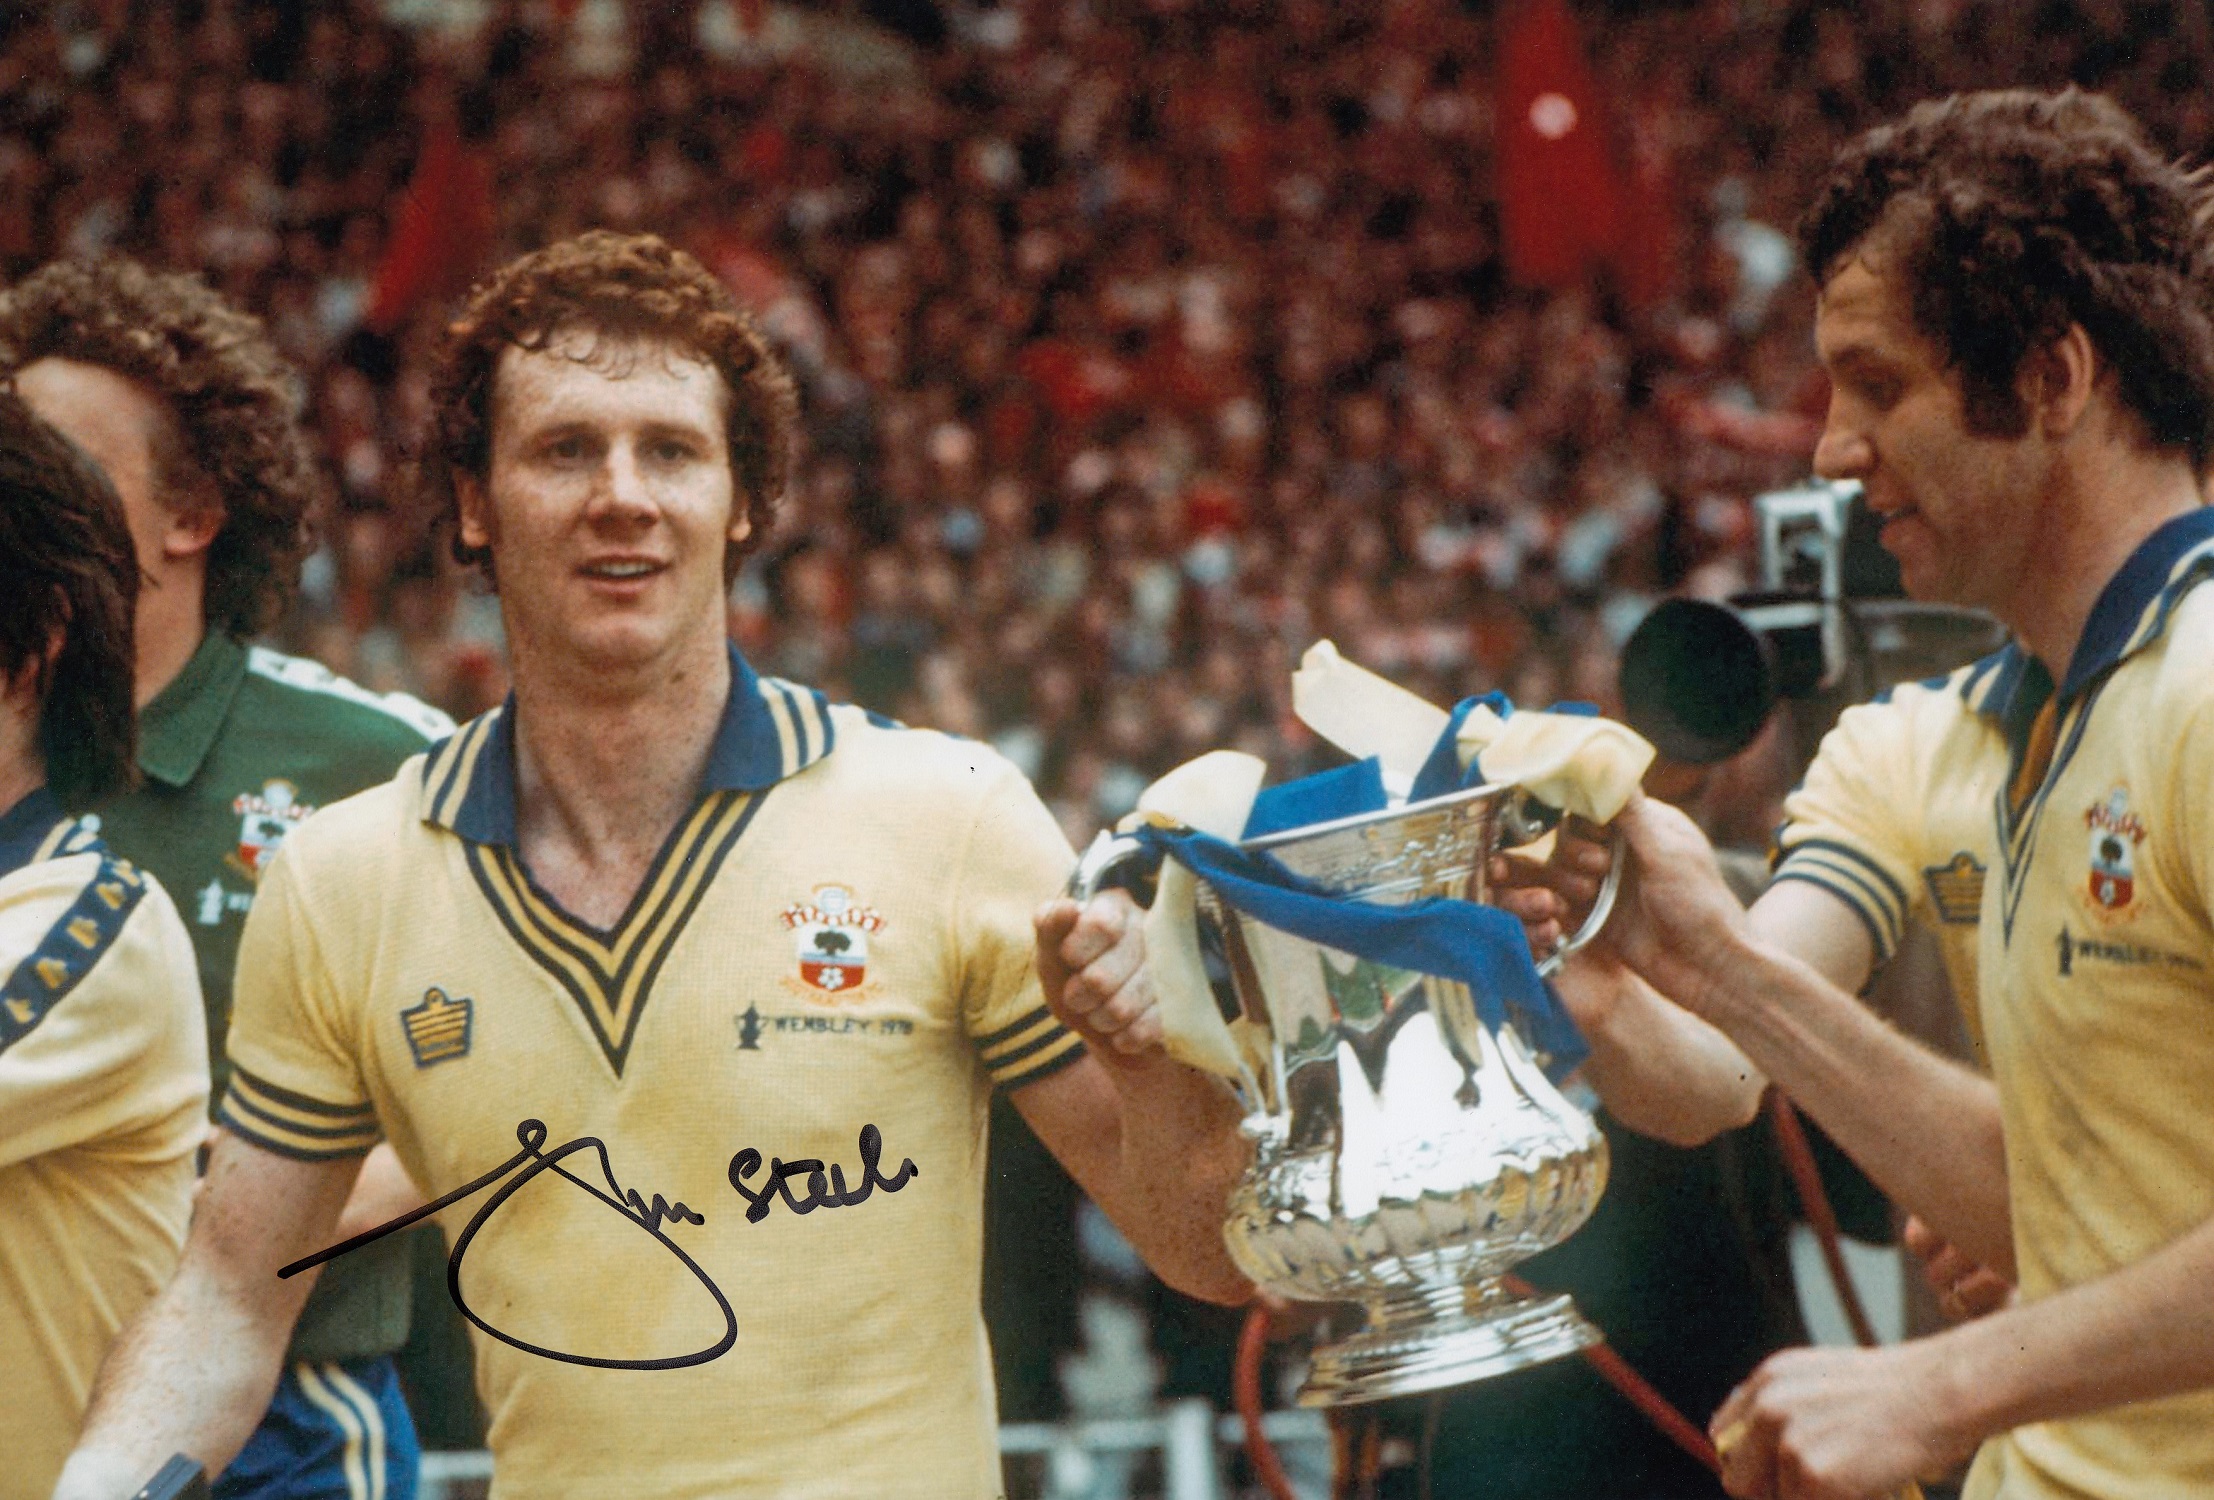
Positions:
{"x": 608, "y": 502}
{"x": 1955, "y": 506}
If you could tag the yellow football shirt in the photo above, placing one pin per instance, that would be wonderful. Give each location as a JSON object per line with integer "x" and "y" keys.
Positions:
{"x": 103, "y": 1091}
{"x": 1894, "y": 816}
{"x": 835, "y": 944}
{"x": 2098, "y": 956}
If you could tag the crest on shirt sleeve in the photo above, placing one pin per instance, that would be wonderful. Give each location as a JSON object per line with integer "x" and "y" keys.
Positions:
{"x": 2114, "y": 831}
{"x": 264, "y": 818}
{"x": 831, "y": 932}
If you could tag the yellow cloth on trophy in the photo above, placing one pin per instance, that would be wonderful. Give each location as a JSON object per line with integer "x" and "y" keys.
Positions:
{"x": 1364, "y": 714}
{"x": 1576, "y": 762}
{"x": 1213, "y": 794}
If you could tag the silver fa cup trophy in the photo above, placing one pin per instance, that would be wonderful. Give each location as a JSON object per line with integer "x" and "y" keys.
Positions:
{"x": 1407, "y": 1156}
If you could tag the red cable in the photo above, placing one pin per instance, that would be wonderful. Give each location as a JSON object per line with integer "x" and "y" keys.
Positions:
{"x": 1674, "y": 1425}
{"x": 1245, "y": 1394}
{"x": 1616, "y": 1372}
{"x": 1370, "y": 1467}
{"x": 1798, "y": 1155}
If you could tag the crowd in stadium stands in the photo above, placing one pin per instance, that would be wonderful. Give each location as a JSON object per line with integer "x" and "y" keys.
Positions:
{"x": 1143, "y": 341}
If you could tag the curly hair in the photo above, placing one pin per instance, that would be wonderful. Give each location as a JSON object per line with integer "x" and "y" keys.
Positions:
{"x": 2014, "y": 214}
{"x": 622, "y": 289}
{"x": 67, "y": 569}
{"x": 237, "y": 438}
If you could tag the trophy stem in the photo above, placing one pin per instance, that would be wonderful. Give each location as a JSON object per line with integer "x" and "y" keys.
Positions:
{"x": 1439, "y": 1333}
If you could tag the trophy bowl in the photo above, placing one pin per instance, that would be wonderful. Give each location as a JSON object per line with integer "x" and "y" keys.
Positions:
{"x": 1406, "y": 1154}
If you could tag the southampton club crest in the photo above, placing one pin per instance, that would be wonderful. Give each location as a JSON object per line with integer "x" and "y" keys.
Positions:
{"x": 2115, "y": 832}
{"x": 831, "y": 931}
{"x": 264, "y": 818}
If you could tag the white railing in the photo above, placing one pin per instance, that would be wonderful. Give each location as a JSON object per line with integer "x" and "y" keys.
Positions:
{"x": 1190, "y": 1436}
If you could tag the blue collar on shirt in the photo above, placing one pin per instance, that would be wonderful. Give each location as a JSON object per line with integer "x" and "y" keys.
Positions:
{"x": 2134, "y": 606}
{"x": 2131, "y": 612}
{"x": 770, "y": 729}
{"x": 26, "y": 829}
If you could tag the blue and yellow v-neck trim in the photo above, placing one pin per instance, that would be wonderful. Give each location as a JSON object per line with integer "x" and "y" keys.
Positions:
{"x": 2133, "y": 608}
{"x": 770, "y": 730}
{"x": 2131, "y": 613}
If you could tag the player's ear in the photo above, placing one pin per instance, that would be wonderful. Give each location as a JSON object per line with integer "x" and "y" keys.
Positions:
{"x": 741, "y": 516}
{"x": 191, "y": 528}
{"x": 2060, "y": 379}
{"x": 475, "y": 507}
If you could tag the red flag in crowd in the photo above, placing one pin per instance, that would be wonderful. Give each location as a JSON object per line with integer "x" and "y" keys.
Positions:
{"x": 1648, "y": 252}
{"x": 1560, "y": 192}
{"x": 444, "y": 228}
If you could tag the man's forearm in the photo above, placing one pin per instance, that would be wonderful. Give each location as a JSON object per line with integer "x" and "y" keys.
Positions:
{"x": 383, "y": 1192}
{"x": 1863, "y": 1421}
{"x": 194, "y": 1371}
{"x": 191, "y": 1374}
{"x": 1924, "y": 1129}
{"x": 2144, "y": 1331}
{"x": 1661, "y": 1070}
{"x": 1180, "y": 1153}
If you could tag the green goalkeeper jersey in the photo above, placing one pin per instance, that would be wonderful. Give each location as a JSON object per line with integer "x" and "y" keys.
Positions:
{"x": 235, "y": 752}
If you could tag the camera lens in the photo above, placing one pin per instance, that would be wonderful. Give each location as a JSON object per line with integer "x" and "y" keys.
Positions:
{"x": 1696, "y": 681}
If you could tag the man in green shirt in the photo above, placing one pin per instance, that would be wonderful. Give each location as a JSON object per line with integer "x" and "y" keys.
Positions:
{"x": 196, "y": 419}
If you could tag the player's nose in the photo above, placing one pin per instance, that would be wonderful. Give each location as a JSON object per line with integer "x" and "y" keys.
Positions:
{"x": 1843, "y": 451}
{"x": 624, "y": 489}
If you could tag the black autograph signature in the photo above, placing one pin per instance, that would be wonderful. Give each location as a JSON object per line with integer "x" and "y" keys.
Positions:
{"x": 832, "y": 1194}
{"x": 649, "y": 1216}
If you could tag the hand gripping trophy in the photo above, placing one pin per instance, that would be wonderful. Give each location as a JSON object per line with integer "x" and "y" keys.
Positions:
{"x": 1327, "y": 947}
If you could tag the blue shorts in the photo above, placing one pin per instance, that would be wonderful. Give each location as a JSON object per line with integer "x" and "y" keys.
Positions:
{"x": 334, "y": 1432}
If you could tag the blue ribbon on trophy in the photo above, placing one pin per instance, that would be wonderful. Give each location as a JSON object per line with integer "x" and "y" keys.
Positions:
{"x": 1479, "y": 946}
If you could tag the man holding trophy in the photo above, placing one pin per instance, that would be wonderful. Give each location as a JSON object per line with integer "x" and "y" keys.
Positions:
{"x": 2016, "y": 316}
{"x": 766, "y": 955}
{"x": 2015, "y": 313}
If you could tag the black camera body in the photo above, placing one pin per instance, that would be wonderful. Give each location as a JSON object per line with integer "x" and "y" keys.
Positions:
{"x": 1828, "y": 627}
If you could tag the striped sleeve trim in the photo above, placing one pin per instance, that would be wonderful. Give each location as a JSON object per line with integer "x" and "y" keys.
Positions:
{"x": 1855, "y": 902}
{"x": 295, "y": 1125}
{"x": 1034, "y": 1045}
{"x": 1846, "y": 867}
{"x": 1074, "y": 1053}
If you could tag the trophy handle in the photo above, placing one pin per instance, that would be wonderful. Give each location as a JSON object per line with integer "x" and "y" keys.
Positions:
{"x": 1601, "y": 908}
{"x": 1108, "y": 853}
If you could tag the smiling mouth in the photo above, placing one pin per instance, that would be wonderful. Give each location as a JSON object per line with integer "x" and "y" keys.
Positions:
{"x": 621, "y": 572}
